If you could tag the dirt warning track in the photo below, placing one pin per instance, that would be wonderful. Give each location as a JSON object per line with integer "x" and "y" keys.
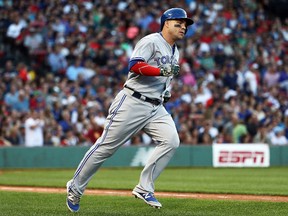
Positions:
{"x": 264, "y": 198}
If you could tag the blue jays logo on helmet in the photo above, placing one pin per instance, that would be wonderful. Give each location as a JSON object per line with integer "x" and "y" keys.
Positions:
{"x": 174, "y": 14}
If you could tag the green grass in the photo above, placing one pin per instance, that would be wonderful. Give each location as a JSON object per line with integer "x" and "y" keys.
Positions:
{"x": 269, "y": 181}
{"x": 266, "y": 181}
{"x": 14, "y": 204}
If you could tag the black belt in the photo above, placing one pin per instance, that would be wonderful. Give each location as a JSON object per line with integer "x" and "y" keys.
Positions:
{"x": 144, "y": 98}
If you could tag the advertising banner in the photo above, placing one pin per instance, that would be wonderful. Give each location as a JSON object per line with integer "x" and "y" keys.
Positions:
{"x": 241, "y": 155}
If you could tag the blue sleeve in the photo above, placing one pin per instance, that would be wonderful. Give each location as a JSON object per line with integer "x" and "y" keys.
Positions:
{"x": 132, "y": 62}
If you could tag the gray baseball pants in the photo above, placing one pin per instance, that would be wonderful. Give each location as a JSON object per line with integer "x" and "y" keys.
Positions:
{"x": 128, "y": 115}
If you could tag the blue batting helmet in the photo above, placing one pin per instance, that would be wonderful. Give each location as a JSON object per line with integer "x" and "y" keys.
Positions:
{"x": 175, "y": 14}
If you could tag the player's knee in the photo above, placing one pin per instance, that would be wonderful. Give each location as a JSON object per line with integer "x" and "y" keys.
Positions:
{"x": 174, "y": 141}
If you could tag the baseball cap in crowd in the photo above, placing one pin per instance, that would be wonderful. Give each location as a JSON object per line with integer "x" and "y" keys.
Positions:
{"x": 230, "y": 93}
{"x": 278, "y": 129}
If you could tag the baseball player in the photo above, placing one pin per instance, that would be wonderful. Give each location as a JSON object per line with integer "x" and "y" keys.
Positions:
{"x": 139, "y": 105}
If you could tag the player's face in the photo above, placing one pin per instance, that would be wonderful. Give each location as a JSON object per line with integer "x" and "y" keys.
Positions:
{"x": 177, "y": 29}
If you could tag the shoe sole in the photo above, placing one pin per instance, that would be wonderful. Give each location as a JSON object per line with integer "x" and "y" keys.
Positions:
{"x": 138, "y": 196}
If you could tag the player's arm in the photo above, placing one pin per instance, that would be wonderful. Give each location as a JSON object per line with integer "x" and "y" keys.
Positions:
{"x": 142, "y": 68}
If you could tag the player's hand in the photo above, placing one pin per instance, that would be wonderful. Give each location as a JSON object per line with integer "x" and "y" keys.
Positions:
{"x": 166, "y": 96}
{"x": 169, "y": 70}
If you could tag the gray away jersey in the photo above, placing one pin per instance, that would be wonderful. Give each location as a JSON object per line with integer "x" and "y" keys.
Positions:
{"x": 154, "y": 50}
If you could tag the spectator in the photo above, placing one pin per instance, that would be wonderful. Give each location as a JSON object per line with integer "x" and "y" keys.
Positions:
{"x": 56, "y": 136}
{"x": 228, "y": 127}
{"x": 21, "y": 102}
{"x": 136, "y": 140}
{"x": 271, "y": 76}
{"x": 65, "y": 121}
{"x": 251, "y": 78}
{"x": 209, "y": 129}
{"x": 283, "y": 78}
{"x": 33, "y": 41}
{"x": 11, "y": 96}
{"x": 259, "y": 111}
{"x": 261, "y": 136}
{"x": 239, "y": 130}
{"x": 94, "y": 131}
{"x": 70, "y": 139}
{"x": 48, "y": 137}
{"x": 34, "y": 126}
{"x": 14, "y": 30}
{"x": 252, "y": 125}
{"x": 14, "y": 135}
{"x": 194, "y": 139}
{"x": 9, "y": 73}
{"x": 3, "y": 141}
{"x": 233, "y": 61}
{"x": 57, "y": 61}
{"x": 187, "y": 78}
{"x": 87, "y": 71}
{"x": 278, "y": 138}
{"x": 74, "y": 70}
{"x": 207, "y": 61}
{"x": 230, "y": 77}
{"x": 205, "y": 138}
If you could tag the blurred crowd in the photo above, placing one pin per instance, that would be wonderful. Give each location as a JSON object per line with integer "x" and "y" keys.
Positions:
{"x": 63, "y": 61}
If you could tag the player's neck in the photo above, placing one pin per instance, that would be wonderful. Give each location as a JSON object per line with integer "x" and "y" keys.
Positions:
{"x": 167, "y": 38}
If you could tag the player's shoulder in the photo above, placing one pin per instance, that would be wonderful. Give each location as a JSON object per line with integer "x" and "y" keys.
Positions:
{"x": 152, "y": 37}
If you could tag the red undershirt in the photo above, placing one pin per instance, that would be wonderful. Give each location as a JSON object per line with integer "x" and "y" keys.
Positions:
{"x": 145, "y": 69}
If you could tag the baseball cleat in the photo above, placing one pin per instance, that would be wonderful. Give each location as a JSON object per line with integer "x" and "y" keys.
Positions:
{"x": 72, "y": 200}
{"x": 148, "y": 198}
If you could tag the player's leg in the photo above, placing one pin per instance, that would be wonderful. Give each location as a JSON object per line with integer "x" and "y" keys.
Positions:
{"x": 126, "y": 117}
{"x": 163, "y": 130}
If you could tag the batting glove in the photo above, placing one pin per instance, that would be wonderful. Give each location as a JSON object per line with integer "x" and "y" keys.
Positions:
{"x": 169, "y": 70}
{"x": 166, "y": 96}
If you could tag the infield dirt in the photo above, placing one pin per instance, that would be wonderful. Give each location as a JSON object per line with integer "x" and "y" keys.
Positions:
{"x": 262, "y": 198}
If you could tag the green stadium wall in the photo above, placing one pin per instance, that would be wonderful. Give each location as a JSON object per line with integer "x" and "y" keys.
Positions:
{"x": 69, "y": 157}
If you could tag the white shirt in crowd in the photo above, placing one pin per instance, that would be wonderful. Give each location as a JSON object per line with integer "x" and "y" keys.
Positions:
{"x": 34, "y": 135}
{"x": 278, "y": 138}
{"x": 282, "y": 140}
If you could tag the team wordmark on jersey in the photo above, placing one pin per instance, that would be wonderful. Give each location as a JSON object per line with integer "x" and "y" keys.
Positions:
{"x": 165, "y": 60}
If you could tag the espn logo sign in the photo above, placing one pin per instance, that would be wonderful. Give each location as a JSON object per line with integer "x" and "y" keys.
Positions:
{"x": 241, "y": 155}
